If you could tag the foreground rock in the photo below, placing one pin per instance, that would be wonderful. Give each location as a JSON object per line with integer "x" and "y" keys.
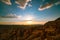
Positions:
{"x": 52, "y": 30}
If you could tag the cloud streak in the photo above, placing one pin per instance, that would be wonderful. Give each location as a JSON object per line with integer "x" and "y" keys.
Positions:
{"x": 8, "y": 2}
{"x": 48, "y": 5}
{"x": 10, "y": 16}
{"x": 57, "y": 3}
{"x": 29, "y": 5}
{"x": 22, "y": 3}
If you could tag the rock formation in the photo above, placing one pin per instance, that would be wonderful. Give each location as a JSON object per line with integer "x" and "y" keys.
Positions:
{"x": 49, "y": 31}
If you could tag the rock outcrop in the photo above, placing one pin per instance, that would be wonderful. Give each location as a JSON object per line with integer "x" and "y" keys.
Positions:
{"x": 52, "y": 29}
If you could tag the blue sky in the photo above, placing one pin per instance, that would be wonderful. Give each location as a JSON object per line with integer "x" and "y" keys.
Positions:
{"x": 40, "y": 10}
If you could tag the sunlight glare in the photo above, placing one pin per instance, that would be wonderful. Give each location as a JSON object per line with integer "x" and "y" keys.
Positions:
{"x": 29, "y": 17}
{"x": 29, "y": 22}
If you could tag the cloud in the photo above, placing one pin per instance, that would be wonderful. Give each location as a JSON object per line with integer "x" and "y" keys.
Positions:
{"x": 10, "y": 16}
{"x": 57, "y": 3}
{"x": 22, "y": 3}
{"x": 29, "y": 5}
{"x": 48, "y": 5}
{"x": 8, "y": 2}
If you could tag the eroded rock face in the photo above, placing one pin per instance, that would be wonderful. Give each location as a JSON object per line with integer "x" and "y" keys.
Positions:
{"x": 49, "y": 31}
{"x": 52, "y": 29}
{"x": 32, "y": 33}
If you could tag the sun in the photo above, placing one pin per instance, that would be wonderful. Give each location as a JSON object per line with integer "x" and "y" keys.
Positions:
{"x": 29, "y": 22}
{"x": 28, "y": 17}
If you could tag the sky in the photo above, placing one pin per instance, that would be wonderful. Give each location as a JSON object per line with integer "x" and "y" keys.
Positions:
{"x": 24, "y": 10}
